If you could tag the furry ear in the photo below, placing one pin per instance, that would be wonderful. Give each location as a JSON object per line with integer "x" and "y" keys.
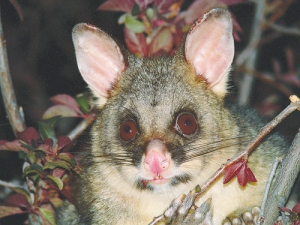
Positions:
{"x": 209, "y": 48}
{"x": 99, "y": 59}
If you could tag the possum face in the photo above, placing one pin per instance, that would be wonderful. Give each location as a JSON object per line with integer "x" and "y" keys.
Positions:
{"x": 160, "y": 118}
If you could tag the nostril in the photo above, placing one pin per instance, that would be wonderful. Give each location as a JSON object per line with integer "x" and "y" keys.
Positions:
{"x": 165, "y": 164}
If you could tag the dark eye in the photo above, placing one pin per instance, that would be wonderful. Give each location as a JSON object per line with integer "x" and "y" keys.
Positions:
{"x": 186, "y": 124}
{"x": 128, "y": 130}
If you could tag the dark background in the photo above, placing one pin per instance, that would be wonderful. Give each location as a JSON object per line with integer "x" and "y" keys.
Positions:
{"x": 42, "y": 60}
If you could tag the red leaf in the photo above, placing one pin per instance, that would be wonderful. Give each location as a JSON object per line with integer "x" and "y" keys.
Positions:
{"x": 144, "y": 3}
{"x": 66, "y": 100}
{"x": 17, "y": 200}
{"x": 58, "y": 172}
{"x": 136, "y": 43}
{"x": 13, "y": 146}
{"x": 164, "y": 6}
{"x": 231, "y": 171}
{"x": 285, "y": 209}
{"x": 250, "y": 175}
{"x": 9, "y": 211}
{"x": 49, "y": 142}
{"x": 63, "y": 141}
{"x": 117, "y": 5}
{"x": 242, "y": 175}
{"x": 28, "y": 135}
{"x": 45, "y": 148}
{"x": 296, "y": 208}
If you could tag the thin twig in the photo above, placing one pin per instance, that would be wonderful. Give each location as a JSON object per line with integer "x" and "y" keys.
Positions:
{"x": 286, "y": 30}
{"x": 15, "y": 117}
{"x": 267, "y": 79}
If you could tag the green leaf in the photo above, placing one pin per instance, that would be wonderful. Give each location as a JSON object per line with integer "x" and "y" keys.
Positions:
{"x": 134, "y": 25}
{"x": 48, "y": 215}
{"x": 31, "y": 157}
{"x": 40, "y": 154}
{"x": 66, "y": 156}
{"x": 57, "y": 181}
{"x": 52, "y": 122}
{"x": 135, "y": 10}
{"x": 46, "y": 131}
{"x": 150, "y": 13}
{"x": 35, "y": 177}
{"x": 57, "y": 202}
{"x": 9, "y": 211}
{"x": 122, "y": 19}
{"x": 22, "y": 155}
{"x": 83, "y": 102}
{"x": 33, "y": 169}
{"x": 60, "y": 164}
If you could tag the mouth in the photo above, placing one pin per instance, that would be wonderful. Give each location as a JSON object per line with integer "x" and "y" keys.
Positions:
{"x": 159, "y": 181}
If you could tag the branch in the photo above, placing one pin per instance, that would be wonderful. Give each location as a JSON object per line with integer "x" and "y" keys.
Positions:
{"x": 15, "y": 115}
{"x": 284, "y": 182}
{"x": 285, "y": 30}
{"x": 269, "y": 182}
{"x": 248, "y": 56}
{"x": 74, "y": 134}
{"x": 267, "y": 79}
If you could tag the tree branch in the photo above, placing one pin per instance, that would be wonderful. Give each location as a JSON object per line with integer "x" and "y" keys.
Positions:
{"x": 285, "y": 181}
{"x": 248, "y": 56}
{"x": 15, "y": 116}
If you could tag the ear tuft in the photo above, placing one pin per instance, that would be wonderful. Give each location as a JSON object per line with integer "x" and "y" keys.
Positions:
{"x": 209, "y": 48}
{"x": 99, "y": 59}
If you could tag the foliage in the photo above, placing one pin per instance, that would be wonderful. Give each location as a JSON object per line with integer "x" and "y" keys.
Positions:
{"x": 48, "y": 162}
{"x": 156, "y": 27}
{"x": 242, "y": 171}
{"x": 294, "y": 214}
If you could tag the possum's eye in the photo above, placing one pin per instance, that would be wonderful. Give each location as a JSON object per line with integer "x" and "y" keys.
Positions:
{"x": 128, "y": 130}
{"x": 186, "y": 124}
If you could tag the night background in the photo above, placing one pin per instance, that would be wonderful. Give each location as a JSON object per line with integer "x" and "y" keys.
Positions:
{"x": 42, "y": 63}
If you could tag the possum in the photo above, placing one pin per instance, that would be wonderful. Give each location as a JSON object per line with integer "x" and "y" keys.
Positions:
{"x": 162, "y": 127}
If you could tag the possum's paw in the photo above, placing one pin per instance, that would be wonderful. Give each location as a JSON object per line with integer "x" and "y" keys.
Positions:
{"x": 245, "y": 218}
{"x": 181, "y": 211}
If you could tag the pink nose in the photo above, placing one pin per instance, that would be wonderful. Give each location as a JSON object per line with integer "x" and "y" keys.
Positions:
{"x": 156, "y": 160}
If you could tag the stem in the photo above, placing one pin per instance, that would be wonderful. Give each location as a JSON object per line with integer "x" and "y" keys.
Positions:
{"x": 12, "y": 110}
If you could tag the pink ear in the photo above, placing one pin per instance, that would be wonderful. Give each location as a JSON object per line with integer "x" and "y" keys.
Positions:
{"x": 209, "y": 48}
{"x": 99, "y": 59}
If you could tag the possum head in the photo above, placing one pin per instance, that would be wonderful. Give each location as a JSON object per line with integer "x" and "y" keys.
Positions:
{"x": 161, "y": 117}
